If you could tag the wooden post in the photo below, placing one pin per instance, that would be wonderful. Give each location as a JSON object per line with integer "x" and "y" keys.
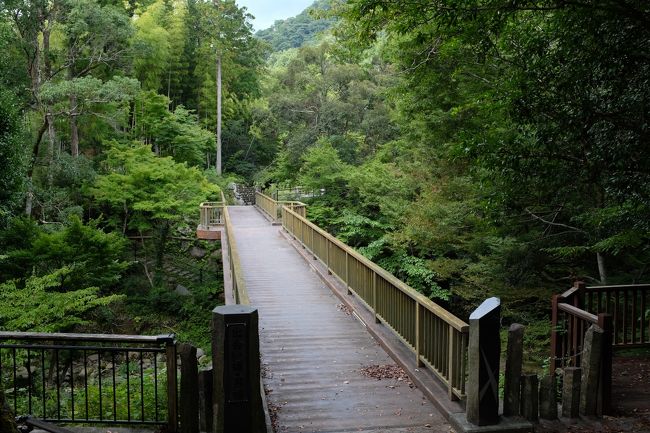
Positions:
{"x": 556, "y": 346}
{"x": 483, "y": 364}
{"x": 237, "y": 398}
{"x": 605, "y": 388}
{"x": 189, "y": 401}
{"x": 172, "y": 390}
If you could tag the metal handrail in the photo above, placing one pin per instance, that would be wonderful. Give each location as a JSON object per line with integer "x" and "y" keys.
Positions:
{"x": 239, "y": 285}
{"x": 273, "y": 208}
{"x": 58, "y": 377}
{"x": 438, "y": 338}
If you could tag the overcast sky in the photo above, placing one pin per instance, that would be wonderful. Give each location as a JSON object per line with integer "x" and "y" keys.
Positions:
{"x": 267, "y": 11}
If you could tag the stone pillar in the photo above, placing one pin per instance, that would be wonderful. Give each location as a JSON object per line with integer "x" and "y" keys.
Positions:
{"x": 571, "y": 392}
{"x": 590, "y": 363}
{"x": 529, "y": 397}
{"x": 483, "y": 364}
{"x": 547, "y": 398}
{"x": 514, "y": 358}
{"x": 205, "y": 400}
{"x": 189, "y": 404}
{"x": 236, "y": 398}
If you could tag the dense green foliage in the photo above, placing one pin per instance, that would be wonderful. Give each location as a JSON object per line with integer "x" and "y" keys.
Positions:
{"x": 475, "y": 148}
{"x": 472, "y": 148}
{"x": 297, "y": 31}
{"x": 107, "y": 116}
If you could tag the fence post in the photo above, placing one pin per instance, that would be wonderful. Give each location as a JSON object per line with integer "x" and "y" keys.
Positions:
{"x": 483, "y": 363}
{"x": 514, "y": 359}
{"x": 556, "y": 345}
{"x": 172, "y": 390}
{"x": 605, "y": 388}
{"x": 205, "y": 400}
{"x": 189, "y": 405}
{"x": 237, "y": 399}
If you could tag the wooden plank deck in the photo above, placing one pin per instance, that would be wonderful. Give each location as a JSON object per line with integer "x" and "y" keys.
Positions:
{"x": 313, "y": 351}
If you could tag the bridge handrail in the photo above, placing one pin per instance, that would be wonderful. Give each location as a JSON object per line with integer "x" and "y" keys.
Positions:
{"x": 66, "y": 367}
{"x": 273, "y": 208}
{"x": 211, "y": 213}
{"x": 438, "y": 338}
{"x": 239, "y": 285}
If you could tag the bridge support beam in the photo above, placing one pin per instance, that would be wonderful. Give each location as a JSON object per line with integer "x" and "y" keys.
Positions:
{"x": 236, "y": 399}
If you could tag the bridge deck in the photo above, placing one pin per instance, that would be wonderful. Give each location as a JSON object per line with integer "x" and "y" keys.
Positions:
{"x": 313, "y": 351}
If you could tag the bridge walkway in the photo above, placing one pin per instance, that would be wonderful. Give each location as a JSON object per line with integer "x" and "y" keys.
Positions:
{"x": 314, "y": 352}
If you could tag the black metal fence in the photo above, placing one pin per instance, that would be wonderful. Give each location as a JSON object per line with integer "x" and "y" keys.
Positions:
{"x": 91, "y": 378}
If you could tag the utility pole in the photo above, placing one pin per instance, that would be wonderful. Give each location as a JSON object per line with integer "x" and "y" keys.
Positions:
{"x": 217, "y": 4}
{"x": 218, "y": 165}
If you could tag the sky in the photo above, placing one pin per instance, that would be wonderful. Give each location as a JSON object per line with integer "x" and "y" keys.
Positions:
{"x": 267, "y": 11}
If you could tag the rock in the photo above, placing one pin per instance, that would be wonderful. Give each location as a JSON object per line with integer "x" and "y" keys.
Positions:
{"x": 181, "y": 290}
{"x": 199, "y": 352}
{"x": 197, "y": 252}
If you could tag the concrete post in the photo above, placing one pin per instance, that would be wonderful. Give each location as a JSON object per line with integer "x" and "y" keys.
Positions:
{"x": 529, "y": 397}
{"x": 571, "y": 392}
{"x": 514, "y": 358}
{"x": 590, "y": 363}
{"x": 547, "y": 398}
{"x": 483, "y": 364}
{"x": 236, "y": 398}
{"x": 189, "y": 404}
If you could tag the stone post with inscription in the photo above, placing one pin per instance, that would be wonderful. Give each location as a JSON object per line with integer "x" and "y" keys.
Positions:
{"x": 237, "y": 400}
{"x": 483, "y": 364}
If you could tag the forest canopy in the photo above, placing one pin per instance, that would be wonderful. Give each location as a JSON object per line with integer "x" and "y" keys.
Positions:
{"x": 469, "y": 147}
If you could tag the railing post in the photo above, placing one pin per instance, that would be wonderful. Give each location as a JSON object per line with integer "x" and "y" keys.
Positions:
{"x": 172, "y": 390}
{"x": 347, "y": 272}
{"x": 452, "y": 362}
{"x": 327, "y": 254}
{"x": 237, "y": 398}
{"x": 555, "y": 341}
{"x": 605, "y": 389}
{"x": 374, "y": 296}
{"x": 418, "y": 334}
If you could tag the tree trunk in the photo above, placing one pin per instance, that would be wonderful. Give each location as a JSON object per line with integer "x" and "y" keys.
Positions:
{"x": 602, "y": 268}
{"x": 218, "y": 163}
{"x": 74, "y": 129}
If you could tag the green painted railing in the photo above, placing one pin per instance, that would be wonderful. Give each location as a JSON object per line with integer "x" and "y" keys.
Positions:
{"x": 438, "y": 338}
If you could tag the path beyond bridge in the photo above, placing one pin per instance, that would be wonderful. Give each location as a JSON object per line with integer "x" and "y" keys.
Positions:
{"x": 314, "y": 351}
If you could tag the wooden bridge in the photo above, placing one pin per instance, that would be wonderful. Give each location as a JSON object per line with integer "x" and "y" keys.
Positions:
{"x": 320, "y": 304}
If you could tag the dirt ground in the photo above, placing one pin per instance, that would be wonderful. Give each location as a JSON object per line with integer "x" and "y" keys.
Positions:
{"x": 630, "y": 401}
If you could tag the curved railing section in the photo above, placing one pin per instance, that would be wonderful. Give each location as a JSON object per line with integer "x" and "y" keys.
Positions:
{"x": 438, "y": 338}
{"x": 273, "y": 208}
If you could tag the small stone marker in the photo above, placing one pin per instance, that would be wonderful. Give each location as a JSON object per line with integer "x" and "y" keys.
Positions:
{"x": 547, "y": 398}
{"x": 483, "y": 364}
{"x": 205, "y": 400}
{"x": 514, "y": 357}
{"x": 237, "y": 401}
{"x": 189, "y": 407}
{"x": 590, "y": 363}
{"x": 529, "y": 397}
{"x": 571, "y": 392}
